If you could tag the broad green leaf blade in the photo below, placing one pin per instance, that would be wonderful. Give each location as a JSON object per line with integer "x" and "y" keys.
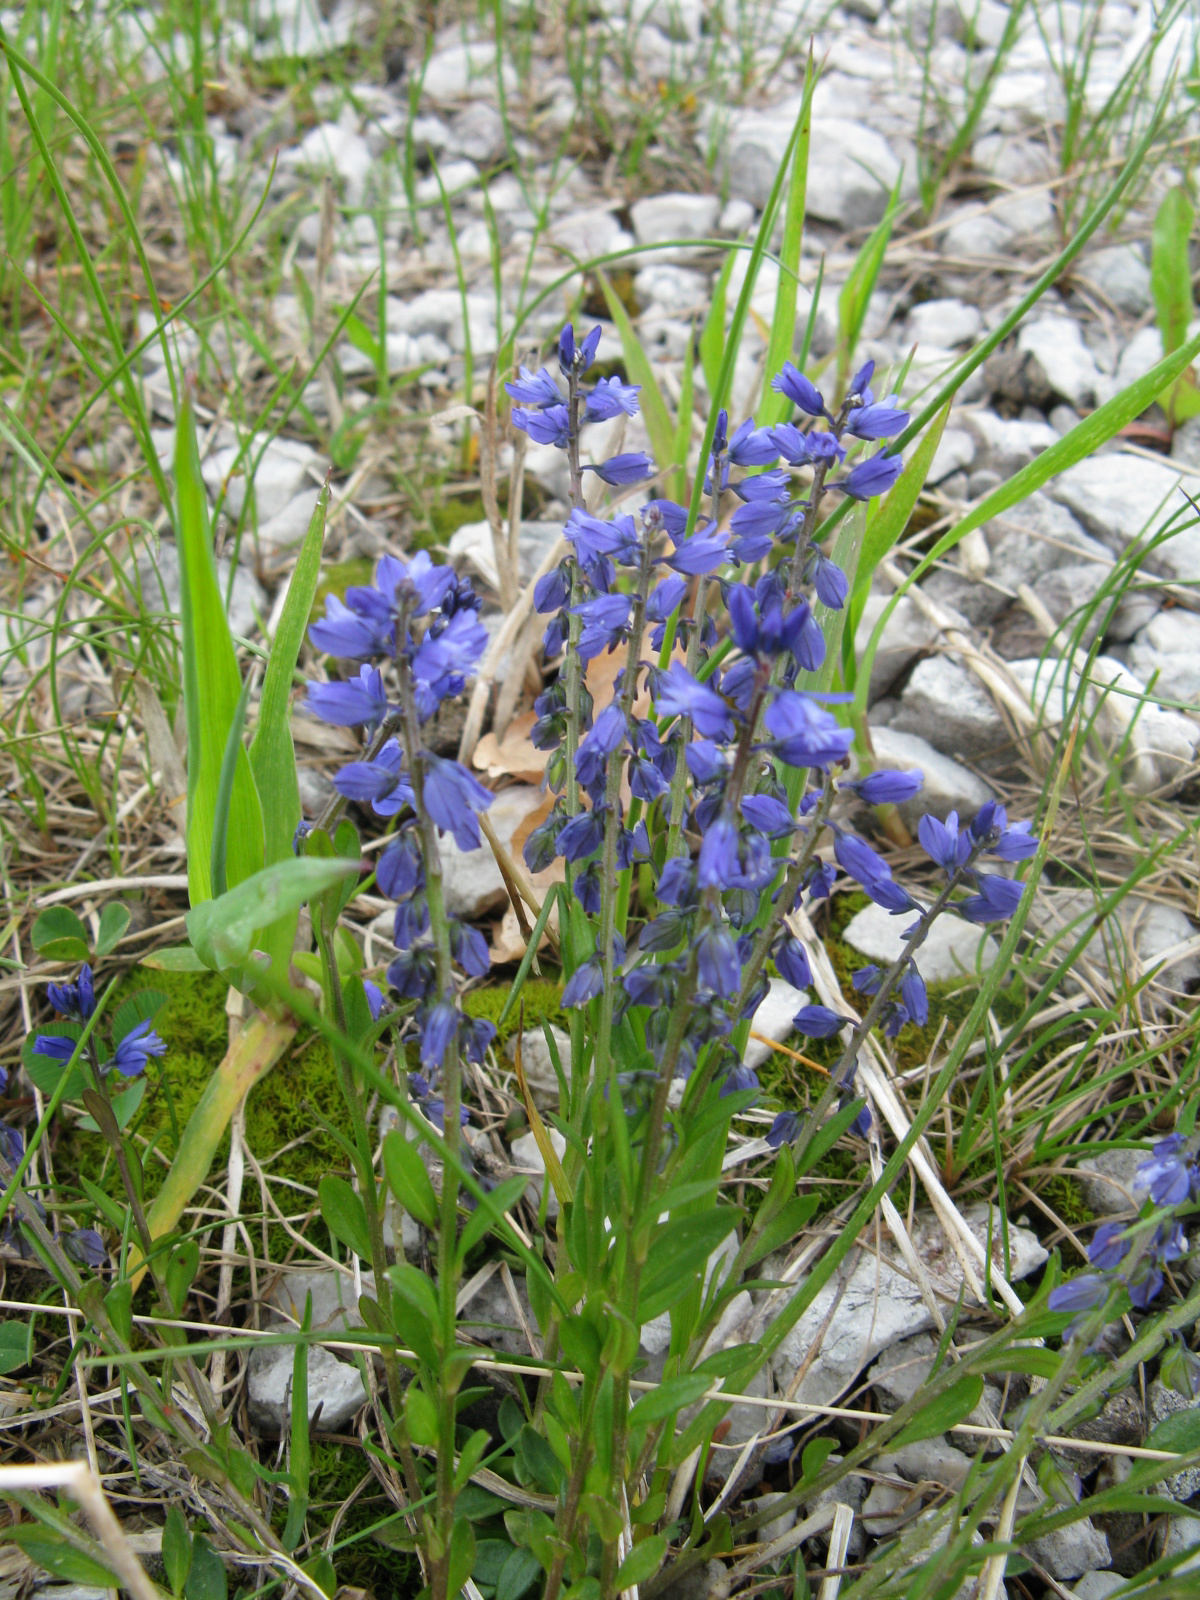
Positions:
{"x": 1180, "y": 1431}
{"x": 14, "y": 1345}
{"x": 48, "y": 1549}
{"x": 175, "y": 958}
{"x": 642, "y": 1562}
{"x": 638, "y": 370}
{"x": 1083, "y": 440}
{"x": 233, "y": 748}
{"x": 344, "y": 1215}
{"x": 222, "y": 931}
{"x": 59, "y": 935}
{"x": 775, "y": 407}
{"x": 114, "y": 919}
{"x": 272, "y": 753}
{"x": 212, "y": 685}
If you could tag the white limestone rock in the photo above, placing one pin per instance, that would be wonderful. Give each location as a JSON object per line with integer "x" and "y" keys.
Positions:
{"x": 948, "y": 785}
{"x": 1120, "y": 497}
{"x": 1071, "y": 1550}
{"x": 1066, "y": 362}
{"x": 278, "y": 478}
{"x": 948, "y": 706}
{"x": 907, "y": 635}
{"x": 657, "y": 218}
{"x": 1121, "y": 275}
{"x": 950, "y": 952}
{"x": 1107, "y": 1181}
{"x": 335, "y": 1387}
{"x": 538, "y": 1066}
{"x": 1169, "y": 646}
{"x": 470, "y": 878}
{"x": 525, "y": 1154}
{"x": 774, "y": 1019}
{"x": 947, "y": 322}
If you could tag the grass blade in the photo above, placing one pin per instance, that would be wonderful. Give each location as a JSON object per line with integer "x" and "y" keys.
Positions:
{"x": 1083, "y": 440}
{"x": 774, "y": 407}
{"x": 659, "y": 425}
{"x": 212, "y": 686}
{"x": 712, "y": 337}
{"x": 233, "y": 744}
{"x": 860, "y": 285}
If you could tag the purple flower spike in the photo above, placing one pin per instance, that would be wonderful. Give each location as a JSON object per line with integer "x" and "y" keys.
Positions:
{"x": 784, "y": 1130}
{"x": 791, "y": 958}
{"x": 752, "y": 447}
{"x": 677, "y": 693}
{"x": 1109, "y": 1247}
{"x": 610, "y": 398}
{"x": 942, "y": 842}
{"x": 819, "y": 1022}
{"x": 1084, "y": 1293}
{"x": 534, "y": 389}
{"x": 1167, "y": 1174}
{"x": 883, "y": 420}
{"x": 996, "y": 901}
{"x": 551, "y": 426}
{"x": 886, "y": 788}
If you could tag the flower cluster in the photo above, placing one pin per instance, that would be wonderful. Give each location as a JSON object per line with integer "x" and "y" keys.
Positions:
{"x": 419, "y": 622}
{"x": 1132, "y": 1256}
{"x": 710, "y": 755}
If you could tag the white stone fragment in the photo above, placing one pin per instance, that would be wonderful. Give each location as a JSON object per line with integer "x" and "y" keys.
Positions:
{"x": 950, "y": 951}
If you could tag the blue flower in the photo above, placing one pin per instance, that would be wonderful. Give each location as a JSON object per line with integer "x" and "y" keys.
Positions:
{"x": 666, "y": 514}
{"x": 784, "y": 1130}
{"x": 1109, "y": 1246}
{"x": 677, "y": 693}
{"x": 135, "y": 1049}
{"x": 417, "y": 586}
{"x": 356, "y": 702}
{"x": 551, "y": 426}
{"x": 632, "y": 467}
{"x": 703, "y": 552}
{"x": 587, "y": 981}
{"x": 580, "y": 357}
{"x": 74, "y": 999}
{"x": 377, "y": 780}
{"x": 534, "y": 389}
{"x": 453, "y": 799}
{"x": 583, "y": 835}
{"x": 943, "y": 843}
{"x": 996, "y": 901}
{"x": 352, "y": 635}
{"x": 872, "y": 477}
{"x": 860, "y": 381}
{"x": 797, "y": 388}
{"x": 55, "y": 1046}
{"x": 610, "y": 398}
{"x": 85, "y": 1246}
{"x": 552, "y": 591}
{"x": 375, "y": 999}
{"x": 442, "y": 660}
{"x": 886, "y": 788}
{"x": 717, "y": 958}
{"x": 882, "y": 420}
{"x": 739, "y": 1078}
{"x": 412, "y": 974}
{"x": 819, "y": 1022}
{"x": 401, "y": 866}
{"x": 717, "y": 867}
{"x": 768, "y": 815}
{"x": 603, "y": 618}
{"x": 1083, "y": 1293}
{"x": 592, "y": 537}
{"x": 806, "y": 735}
{"x": 1167, "y": 1174}
{"x": 438, "y": 1027}
{"x": 791, "y": 959}
{"x": 752, "y": 447}
{"x": 469, "y": 949}
{"x": 915, "y": 996}
{"x": 863, "y": 864}
{"x": 866, "y": 980}
{"x": 829, "y": 581}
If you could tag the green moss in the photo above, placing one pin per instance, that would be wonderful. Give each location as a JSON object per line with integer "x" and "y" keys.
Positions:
{"x": 542, "y": 998}
{"x": 337, "y": 1470}
{"x": 279, "y": 1110}
{"x": 1064, "y": 1196}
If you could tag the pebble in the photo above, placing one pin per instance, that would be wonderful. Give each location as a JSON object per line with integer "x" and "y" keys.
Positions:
{"x": 1097, "y": 1585}
{"x": 1121, "y": 275}
{"x": 907, "y": 635}
{"x": 538, "y": 1066}
{"x": 1163, "y": 1402}
{"x": 1120, "y": 497}
{"x": 1168, "y": 650}
{"x": 525, "y": 1153}
{"x": 948, "y": 785}
{"x": 774, "y": 1019}
{"x": 334, "y": 1385}
{"x": 1069, "y": 371}
{"x": 1071, "y": 1550}
{"x": 949, "y": 953}
{"x": 1107, "y": 1180}
{"x": 278, "y": 477}
{"x": 160, "y": 585}
{"x": 658, "y": 218}
{"x": 851, "y": 168}
{"x": 948, "y": 706}
{"x": 946, "y": 322}
{"x": 470, "y": 878}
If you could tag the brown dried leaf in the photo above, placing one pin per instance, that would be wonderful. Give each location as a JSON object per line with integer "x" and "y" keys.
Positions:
{"x": 514, "y": 756}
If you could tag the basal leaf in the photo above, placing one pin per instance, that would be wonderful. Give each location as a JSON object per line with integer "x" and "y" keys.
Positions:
{"x": 222, "y": 931}
{"x": 212, "y": 684}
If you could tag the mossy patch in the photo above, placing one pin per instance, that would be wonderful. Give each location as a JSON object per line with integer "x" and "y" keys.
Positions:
{"x": 542, "y": 999}
{"x": 279, "y": 1111}
{"x": 337, "y": 1470}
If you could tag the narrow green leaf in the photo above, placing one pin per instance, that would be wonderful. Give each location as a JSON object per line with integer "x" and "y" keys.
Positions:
{"x": 955, "y": 1404}
{"x": 229, "y": 757}
{"x": 114, "y": 919}
{"x": 408, "y": 1179}
{"x": 638, "y": 370}
{"x": 1171, "y": 268}
{"x": 300, "y": 1460}
{"x": 775, "y": 407}
{"x": 175, "y": 958}
{"x": 104, "y": 1203}
{"x": 858, "y": 288}
{"x": 48, "y": 1549}
{"x": 211, "y": 684}
{"x": 642, "y": 1562}
{"x": 344, "y": 1215}
{"x": 1180, "y": 1431}
{"x": 176, "y": 1550}
{"x": 712, "y": 335}
{"x": 670, "y": 1396}
{"x": 462, "y": 1556}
